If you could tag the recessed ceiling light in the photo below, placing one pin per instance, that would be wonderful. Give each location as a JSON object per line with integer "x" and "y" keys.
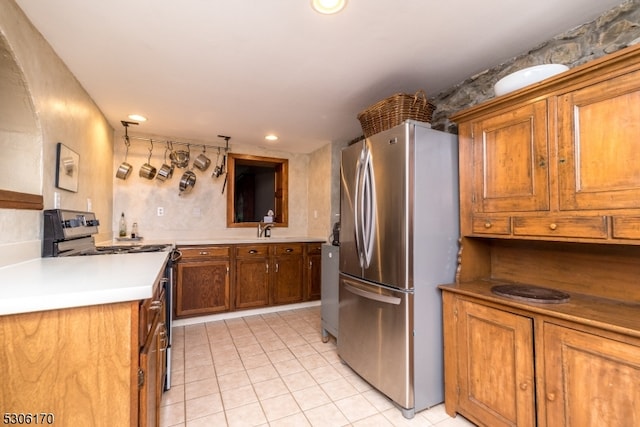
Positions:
{"x": 271, "y": 137}
{"x": 328, "y": 7}
{"x": 137, "y": 117}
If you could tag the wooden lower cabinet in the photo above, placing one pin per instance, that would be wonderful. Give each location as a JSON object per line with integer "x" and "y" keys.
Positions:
{"x": 313, "y": 276}
{"x": 590, "y": 380}
{"x": 287, "y": 276}
{"x": 583, "y": 376}
{"x": 252, "y": 276}
{"x": 202, "y": 287}
{"x": 495, "y": 366}
{"x": 152, "y": 364}
{"x": 203, "y": 283}
{"x": 151, "y": 383}
{"x": 262, "y": 275}
{"x": 84, "y": 366}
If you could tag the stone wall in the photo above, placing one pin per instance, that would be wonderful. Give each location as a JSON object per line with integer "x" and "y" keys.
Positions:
{"x": 614, "y": 30}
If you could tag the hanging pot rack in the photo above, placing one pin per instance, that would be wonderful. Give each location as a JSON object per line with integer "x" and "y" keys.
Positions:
{"x": 170, "y": 143}
{"x": 128, "y": 139}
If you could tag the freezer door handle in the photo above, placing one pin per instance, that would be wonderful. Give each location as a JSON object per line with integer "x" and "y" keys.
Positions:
{"x": 370, "y": 295}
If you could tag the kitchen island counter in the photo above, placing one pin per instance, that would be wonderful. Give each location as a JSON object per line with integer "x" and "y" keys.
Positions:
{"x": 65, "y": 282}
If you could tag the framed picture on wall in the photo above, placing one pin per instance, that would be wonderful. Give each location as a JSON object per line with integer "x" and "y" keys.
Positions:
{"x": 67, "y": 166}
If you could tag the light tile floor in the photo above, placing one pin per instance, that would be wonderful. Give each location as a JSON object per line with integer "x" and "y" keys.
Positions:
{"x": 274, "y": 370}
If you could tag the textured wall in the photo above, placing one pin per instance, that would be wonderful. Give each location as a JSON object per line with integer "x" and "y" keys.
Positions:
{"x": 614, "y": 30}
{"x": 202, "y": 213}
{"x": 67, "y": 114}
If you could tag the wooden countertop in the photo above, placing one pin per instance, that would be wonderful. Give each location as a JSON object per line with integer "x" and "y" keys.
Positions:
{"x": 613, "y": 315}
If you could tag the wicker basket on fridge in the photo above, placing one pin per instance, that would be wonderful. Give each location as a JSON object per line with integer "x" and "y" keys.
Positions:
{"x": 394, "y": 110}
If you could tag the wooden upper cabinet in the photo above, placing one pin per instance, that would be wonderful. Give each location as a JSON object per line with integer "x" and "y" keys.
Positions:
{"x": 599, "y": 145}
{"x": 510, "y": 160}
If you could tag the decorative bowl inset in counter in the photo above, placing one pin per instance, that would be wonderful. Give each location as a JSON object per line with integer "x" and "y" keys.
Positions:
{"x": 526, "y": 77}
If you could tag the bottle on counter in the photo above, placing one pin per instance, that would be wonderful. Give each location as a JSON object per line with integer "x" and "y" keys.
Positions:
{"x": 134, "y": 230}
{"x": 123, "y": 226}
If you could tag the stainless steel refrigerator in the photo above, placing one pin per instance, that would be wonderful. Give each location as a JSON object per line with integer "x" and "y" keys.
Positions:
{"x": 398, "y": 241}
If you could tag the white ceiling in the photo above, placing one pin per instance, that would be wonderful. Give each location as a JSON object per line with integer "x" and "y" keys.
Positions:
{"x": 200, "y": 68}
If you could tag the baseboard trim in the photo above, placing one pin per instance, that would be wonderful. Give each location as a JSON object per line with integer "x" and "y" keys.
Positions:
{"x": 242, "y": 313}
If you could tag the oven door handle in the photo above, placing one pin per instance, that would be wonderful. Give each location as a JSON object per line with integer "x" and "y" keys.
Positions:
{"x": 371, "y": 295}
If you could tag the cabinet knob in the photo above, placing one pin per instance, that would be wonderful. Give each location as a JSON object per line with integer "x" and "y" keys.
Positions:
{"x": 551, "y": 397}
{"x": 288, "y": 250}
{"x": 553, "y": 226}
{"x": 253, "y": 251}
{"x": 524, "y": 386}
{"x": 487, "y": 224}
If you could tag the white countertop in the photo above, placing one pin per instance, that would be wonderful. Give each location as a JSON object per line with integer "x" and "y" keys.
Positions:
{"x": 246, "y": 240}
{"x": 213, "y": 241}
{"x": 65, "y": 282}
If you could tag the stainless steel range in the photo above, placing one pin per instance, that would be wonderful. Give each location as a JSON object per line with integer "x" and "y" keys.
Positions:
{"x": 71, "y": 233}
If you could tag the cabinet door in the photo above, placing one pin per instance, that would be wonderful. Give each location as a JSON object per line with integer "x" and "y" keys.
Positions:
{"x": 599, "y": 145}
{"x": 287, "y": 279}
{"x": 202, "y": 287}
{"x": 510, "y": 161}
{"x": 252, "y": 282}
{"x": 495, "y": 366}
{"x": 314, "y": 275}
{"x": 590, "y": 381}
{"x": 150, "y": 372}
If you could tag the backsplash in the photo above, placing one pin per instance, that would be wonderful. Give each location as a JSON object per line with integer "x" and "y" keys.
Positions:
{"x": 201, "y": 213}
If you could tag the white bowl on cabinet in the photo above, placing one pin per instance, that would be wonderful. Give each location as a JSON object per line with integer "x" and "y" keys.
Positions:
{"x": 526, "y": 77}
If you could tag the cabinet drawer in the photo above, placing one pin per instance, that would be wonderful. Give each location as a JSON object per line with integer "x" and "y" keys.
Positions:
{"x": 287, "y": 249}
{"x": 314, "y": 249}
{"x": 252, "y": 250}
{"x": 588, "y": 227}
{"x": 204, "y": 252}
{"x": 150, "y": 313}
{"x": 491, "y": 225}
{"x": 626, "y": 227}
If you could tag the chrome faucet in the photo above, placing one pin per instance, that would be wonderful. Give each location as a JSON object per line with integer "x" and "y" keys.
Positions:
{"x": 263, "y": 227}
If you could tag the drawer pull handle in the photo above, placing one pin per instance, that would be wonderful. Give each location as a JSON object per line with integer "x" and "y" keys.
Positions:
{"x": 288, "y": 250}
{"x": 204, "y": 253}
{"x": 253, "y": 251}
{"x": 155, "y": 305}
{"x": 487, "y": 224}
{"x": 553, "y": 226}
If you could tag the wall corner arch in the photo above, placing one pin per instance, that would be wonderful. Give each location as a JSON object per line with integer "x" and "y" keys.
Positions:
{"x": 20, "y": 138}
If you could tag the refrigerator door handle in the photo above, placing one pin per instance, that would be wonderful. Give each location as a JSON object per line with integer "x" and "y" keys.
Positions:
{"x": 370, "y": 295}
{"x": 369, "y": 202}
{"x": 357, "y": 207}
{"x": 365, "y": 208}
